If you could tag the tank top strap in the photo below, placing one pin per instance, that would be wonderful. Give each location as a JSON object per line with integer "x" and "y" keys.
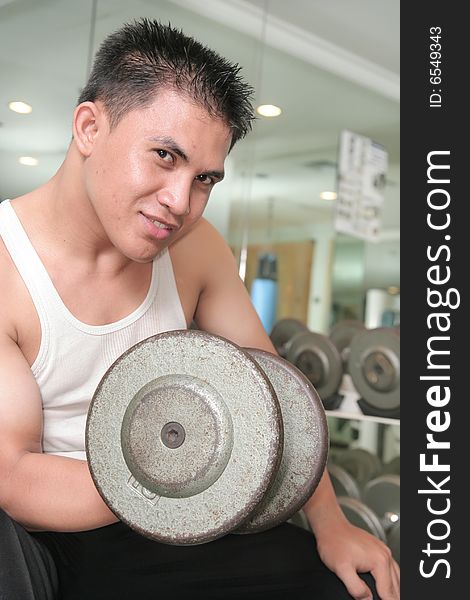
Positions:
{"x": 26, "y": 259}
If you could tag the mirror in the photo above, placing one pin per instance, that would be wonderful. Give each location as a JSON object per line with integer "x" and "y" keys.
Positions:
{"x": 322, "y": 66}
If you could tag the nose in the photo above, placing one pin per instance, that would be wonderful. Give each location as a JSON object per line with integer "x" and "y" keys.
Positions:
{"x": 177, "y": 201}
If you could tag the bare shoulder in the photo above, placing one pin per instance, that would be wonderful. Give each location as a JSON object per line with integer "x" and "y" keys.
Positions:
{"x": 204, "y": 251}
{"x": 203, "y": 265}
{"x": 202, "y": 238}
{"x": 209, "y": 284}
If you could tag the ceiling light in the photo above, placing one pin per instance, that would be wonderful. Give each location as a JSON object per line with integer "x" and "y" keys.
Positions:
{"x": 268, "y": 110}
{"x": 328, "y": 195}
{"x": 20, "y": 107}
{"x": 29, "y": 161}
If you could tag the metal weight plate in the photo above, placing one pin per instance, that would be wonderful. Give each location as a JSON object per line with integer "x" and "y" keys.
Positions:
{"x": 360, "y": 463}
{"x": 341, "y": 335}
{"x": 361, "y": 515}
{"x": 374, "y": 366}
{"x": 382, "y": 494}
{"x": 282, "y": 333}
{"x": 305, "y": 444}
{"x": 319, "y": 360}
{"x": 183, "y": 437}
{"x": 343, "y": 483}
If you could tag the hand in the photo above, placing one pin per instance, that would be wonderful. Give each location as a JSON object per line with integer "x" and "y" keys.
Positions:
{"x": 347, "y": 550}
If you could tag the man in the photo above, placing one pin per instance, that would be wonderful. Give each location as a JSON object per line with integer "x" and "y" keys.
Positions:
{"x": 108, "y": 252}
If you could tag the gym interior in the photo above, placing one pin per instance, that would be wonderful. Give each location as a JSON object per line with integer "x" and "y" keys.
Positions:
{"x": 310, "y": 201}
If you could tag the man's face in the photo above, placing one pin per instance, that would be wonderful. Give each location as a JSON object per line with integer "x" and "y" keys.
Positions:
{"x": 149, "y": 179}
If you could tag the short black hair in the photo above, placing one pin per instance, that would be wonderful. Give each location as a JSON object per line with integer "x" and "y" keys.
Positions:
{"x": 144, "y": 56}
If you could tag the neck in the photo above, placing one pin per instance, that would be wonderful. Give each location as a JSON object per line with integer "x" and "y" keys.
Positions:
{"x": 62, "y": 211}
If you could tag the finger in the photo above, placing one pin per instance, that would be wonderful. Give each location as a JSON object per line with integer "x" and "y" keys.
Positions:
{"x": 396, "y": 577}
{"x": 387, "y": 581}
{"x": 356, "y": 587}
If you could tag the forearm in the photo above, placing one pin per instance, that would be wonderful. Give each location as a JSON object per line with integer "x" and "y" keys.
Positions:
{"x": 322, "y": 507}
{"x": 54, "y": 493}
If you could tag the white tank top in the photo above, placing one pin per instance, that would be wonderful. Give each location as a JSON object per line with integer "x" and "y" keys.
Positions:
{"x": 73, "y": 356}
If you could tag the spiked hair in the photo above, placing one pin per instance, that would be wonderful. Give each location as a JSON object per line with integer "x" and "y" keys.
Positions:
{"x": 144, "y": 56}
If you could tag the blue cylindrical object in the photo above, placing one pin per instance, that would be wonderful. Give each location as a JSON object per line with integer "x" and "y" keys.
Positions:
{"x": 264, "y": 290}
{"x": 264, "y": 298}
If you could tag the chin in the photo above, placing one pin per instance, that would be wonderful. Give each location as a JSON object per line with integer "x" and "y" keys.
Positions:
{"x": 142, "y": 261}
{"x": 145, "y": 256}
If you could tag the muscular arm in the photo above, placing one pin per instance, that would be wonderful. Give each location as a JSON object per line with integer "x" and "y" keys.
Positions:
{"x": 42, "y": 492}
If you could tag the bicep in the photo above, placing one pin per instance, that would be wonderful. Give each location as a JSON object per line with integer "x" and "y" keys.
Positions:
{"x": 20, "y": 406}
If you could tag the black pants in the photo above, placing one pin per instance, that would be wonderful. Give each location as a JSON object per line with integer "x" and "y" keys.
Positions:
{"x": 27, "y": 571}
{"x": 115, "y": 563}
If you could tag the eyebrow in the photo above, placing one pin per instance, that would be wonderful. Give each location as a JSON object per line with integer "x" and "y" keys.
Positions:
{"x": 217, "y": 174}
{"x": 171, "y": 143}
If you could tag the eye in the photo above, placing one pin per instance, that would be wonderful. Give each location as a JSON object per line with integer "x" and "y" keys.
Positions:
{"x": 205, "y": 179}
{"x": 164, "y": 155}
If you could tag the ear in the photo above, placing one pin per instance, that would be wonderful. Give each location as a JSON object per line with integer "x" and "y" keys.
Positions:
{"x": 88, "y": 119}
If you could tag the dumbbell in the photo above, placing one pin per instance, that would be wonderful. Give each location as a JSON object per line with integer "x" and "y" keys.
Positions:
{"x": 374, "y": 366}
{"x": 190, "y": 437}
{"x": 343, "y": 483}
{"x": 361, "y": 464}
{"x": 317, "y": 357}
{"x": 341, "y": 334}
{"x": 382, "y": 494}
{"x": 283, "y": 332}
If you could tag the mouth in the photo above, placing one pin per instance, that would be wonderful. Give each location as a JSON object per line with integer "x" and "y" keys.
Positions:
{"x": 158, "y": 227}
{"x": 160, "y": 223}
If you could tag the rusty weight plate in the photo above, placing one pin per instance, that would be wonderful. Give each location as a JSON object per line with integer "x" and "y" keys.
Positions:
{"x": 184, "y": 435}
{"x": 374, "y": 366}
{"x": 282, "y": 333}
{"x": 319, "y": 360}
{"x": 305, "y": 444}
